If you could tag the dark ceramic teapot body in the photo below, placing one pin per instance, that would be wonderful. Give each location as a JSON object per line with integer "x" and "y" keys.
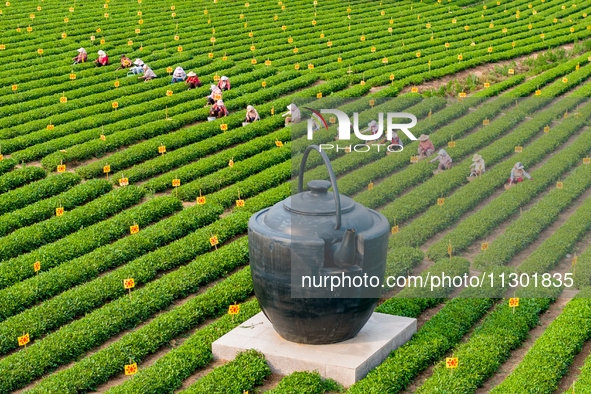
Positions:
{"x": 320, "y": 236}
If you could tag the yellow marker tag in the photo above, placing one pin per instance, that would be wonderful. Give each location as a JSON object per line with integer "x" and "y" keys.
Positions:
{"x": 395, "y": 229}
{"x": 414, "y": 90}
{"x": 451, "y": 144}
{"x": 511, "y": 71}
{"x": 518, "y": 149}
{"x": 224, "y": 127}
{"x": 63, "y": 99}
{"x": 484, "y": 246}
{"x": 134, "y": 229}
{"x": 414, "y": 159}
{"x": 462, "y": 94}
{"x": 587, "y": 160}
{"x": 546, "y": 129}
{"x": 485, "y": 122}
{"x": 123, "y": 182}
{"x": 59, "y": 211}
{"x": 278, "y": 144}
{"x": 176, "y": 182}
{"x": 130, "y": 369}
{"x": 319, "y": 95}
{"x": 115, "y": 105}
{"x": 575, "y": 259}
{"x": 239, "y": 203}
{"x": 37, "y": 266}
{"x": 107, "y": 169}
{"x": 231, "y": 163}
{"x": 513, "y": 302}
{"x": 162, "y": 149}
{"x": 559, "y": 185}
{"x": 440, "y": 201}
{"x": 61, "y": 168}
{"x": 234, "y": 309}
{"x": 201, "y": 200}
{"x": 451, "y": 362}
{"x": 23, "y": 340}
{"x": 169, "y": 93}
{"x": 128, "y": 283}
{"x": 487, "y": 85}
{"x": 214, "y": 240}
{"x": 370, "y": 186}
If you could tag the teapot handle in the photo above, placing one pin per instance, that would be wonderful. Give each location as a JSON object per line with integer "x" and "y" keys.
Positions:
{"x": 333, "y": 180}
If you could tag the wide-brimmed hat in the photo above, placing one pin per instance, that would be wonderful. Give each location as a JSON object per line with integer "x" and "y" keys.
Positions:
{"x": 250, "y": 108}
{"x": 138, "y": 62}
{"x": 224, "y": 78}
{"x": 81, "y": 50}
{"x": 191, "y": 74}
{"x": 476, "y": 157}
{"x": 423, "y": 137}
{"x": 442, "y": 152}
{"x": 291, "y": 107}
{"x": 101, "y": 53}
{"x": 212, "y": 87}
{"x": 220, "y": 102}
{"x": 519, "y": 166}
{"x": 372, "y": 123}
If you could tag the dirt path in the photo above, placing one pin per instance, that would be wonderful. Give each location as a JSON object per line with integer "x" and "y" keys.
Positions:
{"x": 482, "y": 71}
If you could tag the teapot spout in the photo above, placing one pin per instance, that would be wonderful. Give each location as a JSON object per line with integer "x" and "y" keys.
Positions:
{"x": 345, "y": 252}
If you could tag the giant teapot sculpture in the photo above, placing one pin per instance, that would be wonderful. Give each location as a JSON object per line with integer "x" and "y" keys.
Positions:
{"x": 313, "y": 235}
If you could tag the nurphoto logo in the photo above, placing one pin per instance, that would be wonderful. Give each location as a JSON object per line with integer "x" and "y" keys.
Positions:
{"x": 391, "y": 140}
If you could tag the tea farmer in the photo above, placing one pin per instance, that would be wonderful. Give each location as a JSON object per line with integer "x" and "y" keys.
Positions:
{"x": 148, "y": 73}
{"x": 192, "y": 80}
{"x": 251, "y": 115}
{"x": 125, "y": 62}
{"x": 292, "y": 115}
{"x": 102, "y": 60}
{"x": 518, "y": 174}
{"x": 215, "y": 91}
{"x": 218, "y": 110}
{"x": 224, "y": 83}
{"x": 444, "y": 160}
{"x": 477, "y": 166}
{"x": 178, "y": 75}
{"x": 138, "y": 66}
{"x": 426, "y": 147}
{"x": 81, "y": 57}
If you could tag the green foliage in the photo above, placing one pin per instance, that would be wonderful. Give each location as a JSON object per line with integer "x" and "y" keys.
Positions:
{"x": 13, "y": 179}
{"x": 28, "y": 238}
{"x": 45, "y": 209}
{"x": 246, "y": 371}
{"x": 552, "y": 353}
{"x": 306, "y": 383}
{"x": 35, "y": 191}
{"x": 169, "y": 371}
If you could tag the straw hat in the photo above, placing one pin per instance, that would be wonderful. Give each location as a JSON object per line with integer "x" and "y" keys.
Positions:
{"x": 423, "y": 137}
{"x": 250, "y": 108}
{"x": 476, "y": 157}
{"x": 224, "y": 78}
{"x": 519, "y": 166}
{"x": 291, "y": 107}
{"x": 81, "y": 50}
{"x": 372, "y": 123}
{"x": 138, "y": 62}
{"x": 101, "y": 53}
{"x": 442, "y": 152}
{"x": 191, "y": 74}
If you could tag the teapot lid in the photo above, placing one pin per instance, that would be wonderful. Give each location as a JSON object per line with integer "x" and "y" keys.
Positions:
{"x": 317, "y": 201}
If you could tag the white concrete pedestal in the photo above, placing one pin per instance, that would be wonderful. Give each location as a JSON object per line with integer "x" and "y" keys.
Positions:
{"x": 346, "y": 362}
